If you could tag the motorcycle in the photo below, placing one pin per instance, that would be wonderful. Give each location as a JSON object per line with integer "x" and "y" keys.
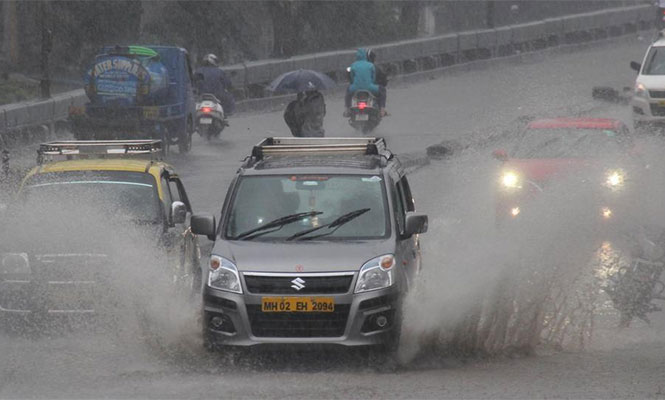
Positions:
{"x": 210, "y": 117}
{"x": 365, "y": 114}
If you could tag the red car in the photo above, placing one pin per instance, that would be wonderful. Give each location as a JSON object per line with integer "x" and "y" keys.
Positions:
{"x": 598, "y": 151}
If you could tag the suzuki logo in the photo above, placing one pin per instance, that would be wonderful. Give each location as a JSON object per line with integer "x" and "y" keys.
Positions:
{"x": 298, "y": 284}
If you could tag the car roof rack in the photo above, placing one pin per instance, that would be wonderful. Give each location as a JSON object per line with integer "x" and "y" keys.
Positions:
{"x": 287, "y": 146}
{"x": 87, "y": 149}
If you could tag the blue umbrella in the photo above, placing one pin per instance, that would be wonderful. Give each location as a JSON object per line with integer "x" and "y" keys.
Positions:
{"x": 300, "y": 81}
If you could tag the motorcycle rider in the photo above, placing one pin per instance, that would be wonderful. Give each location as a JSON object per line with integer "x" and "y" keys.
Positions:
{"x": 380, "y": 77}
{"x": 304, "y": 115}
{"x": 363, "y": 77}
{"x": 211, "y": 79}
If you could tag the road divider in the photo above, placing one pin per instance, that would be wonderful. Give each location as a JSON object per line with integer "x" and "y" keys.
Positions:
{"x": 21, "y": 122}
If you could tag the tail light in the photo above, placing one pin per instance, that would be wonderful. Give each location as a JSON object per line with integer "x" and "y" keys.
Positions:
{"x": 362, "y": 105}
{"x": 206, "y": 109}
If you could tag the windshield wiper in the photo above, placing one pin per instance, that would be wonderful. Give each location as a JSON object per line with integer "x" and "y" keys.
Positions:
{"x": 277, "y": 224}
{"x": 335, "y": 224}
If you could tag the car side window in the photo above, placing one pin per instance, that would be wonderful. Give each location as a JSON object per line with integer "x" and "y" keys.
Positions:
{"x": 178, "y": 192}
{"x": 166, "y": 193}
{"x": 408, "y": 197}
{"x": 400, "y": 209}
{"x": 173, "y": 188}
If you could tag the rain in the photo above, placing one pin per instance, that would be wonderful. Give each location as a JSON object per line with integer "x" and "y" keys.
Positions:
{"x": 529, "y": 133}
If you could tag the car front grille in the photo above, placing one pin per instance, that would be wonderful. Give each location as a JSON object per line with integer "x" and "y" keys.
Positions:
{"x": 335, "y": 284}
{"x": 298, "y": 324}
{"x": 657, "y": 110}
{"x": 657, "y": 94}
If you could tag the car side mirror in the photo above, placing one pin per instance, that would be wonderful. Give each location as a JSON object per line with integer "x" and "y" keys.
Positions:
{"x": 500, "y": 154}
{"x": 635, "y": 66}
{"x": 415, "y": 223}
{"x": 204, "y": 224}
{"x": 178, "y": 212}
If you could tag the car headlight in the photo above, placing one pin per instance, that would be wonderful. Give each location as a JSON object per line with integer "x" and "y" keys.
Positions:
{"x": 510, "y": 180}
{"x": 223, "y": 275}
{"x": 15, "y": 263}
{"x": 376, "y": 273}
{"x": 640, "y": 90}
{"x": 615, "y": 179}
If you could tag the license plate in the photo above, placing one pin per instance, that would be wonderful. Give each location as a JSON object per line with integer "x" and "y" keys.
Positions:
{"x": 150, "y": 112}
{"x": 205, "y": 121}
{"x": 362, "y": 117}
{"x": 297, "y": 304}
{"x": 661, "y": 102}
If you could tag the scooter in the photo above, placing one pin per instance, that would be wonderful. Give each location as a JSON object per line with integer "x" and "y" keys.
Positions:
{"x": 210, "y": 117}
{"x": 365, "y": 114}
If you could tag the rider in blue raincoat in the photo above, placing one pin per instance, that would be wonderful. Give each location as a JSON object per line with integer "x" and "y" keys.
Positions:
{"x": 363, "y": 77}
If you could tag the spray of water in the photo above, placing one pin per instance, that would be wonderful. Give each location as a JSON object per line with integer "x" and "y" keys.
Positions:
{"x": 532, "y": 283}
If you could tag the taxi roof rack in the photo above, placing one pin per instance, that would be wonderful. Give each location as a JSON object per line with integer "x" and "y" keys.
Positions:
{"x": 86, "y": 149}
{"x": 285, "y": 146}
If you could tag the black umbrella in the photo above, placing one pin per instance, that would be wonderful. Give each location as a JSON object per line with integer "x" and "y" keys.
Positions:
{"x": 300, "y": 81}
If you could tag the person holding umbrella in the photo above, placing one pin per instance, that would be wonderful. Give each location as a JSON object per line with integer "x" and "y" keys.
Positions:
{"x": 304, "y": 115}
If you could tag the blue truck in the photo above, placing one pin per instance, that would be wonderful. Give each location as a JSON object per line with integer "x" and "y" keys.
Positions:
{"x": 138, "y": 92}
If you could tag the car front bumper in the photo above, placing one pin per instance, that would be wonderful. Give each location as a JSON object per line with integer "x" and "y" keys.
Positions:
{"x": 353, "y": 323}
{"x": 648, "y": 110}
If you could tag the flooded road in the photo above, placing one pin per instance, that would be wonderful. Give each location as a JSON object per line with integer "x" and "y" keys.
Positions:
{"x": 461, "y": 251}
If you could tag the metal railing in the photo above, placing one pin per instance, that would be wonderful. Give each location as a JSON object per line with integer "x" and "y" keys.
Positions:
{"x": 401, "y": 57}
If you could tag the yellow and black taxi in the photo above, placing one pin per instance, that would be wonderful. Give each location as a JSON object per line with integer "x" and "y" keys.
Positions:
{"x": 85, "y": 207}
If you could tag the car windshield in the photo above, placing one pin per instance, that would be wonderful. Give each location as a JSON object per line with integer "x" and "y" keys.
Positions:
{"x": 655, "y": 62}
{"x": 118, "y": 194}
{"x": 570, "y": 143}
{"x": 259, "y": 200}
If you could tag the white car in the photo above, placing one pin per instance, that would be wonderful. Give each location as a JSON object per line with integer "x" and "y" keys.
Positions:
{"x": 648, "y": 101}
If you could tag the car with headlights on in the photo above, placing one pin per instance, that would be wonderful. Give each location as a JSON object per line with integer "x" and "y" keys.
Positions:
{"x": 317, "y": 243}
{"x": 84, "y": 198}
{"x": 597, "y": 155}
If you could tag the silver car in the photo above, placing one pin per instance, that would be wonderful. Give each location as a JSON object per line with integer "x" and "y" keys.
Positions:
{"x": 317, "y": 242}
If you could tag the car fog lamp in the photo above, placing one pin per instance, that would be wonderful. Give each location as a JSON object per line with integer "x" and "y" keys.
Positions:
{"x": 510, "y": 180}
{"x": 217, "y": 322}
{"x": 381, "y": 321}
{"x": 223, "y": 275}
{"x": 376, "y": 274}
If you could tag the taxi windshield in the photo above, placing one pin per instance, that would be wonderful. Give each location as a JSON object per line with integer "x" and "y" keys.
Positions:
{"x": 118, "y": 194}
{"x": 570, "y": 143}
{"x": 260, "y": 200}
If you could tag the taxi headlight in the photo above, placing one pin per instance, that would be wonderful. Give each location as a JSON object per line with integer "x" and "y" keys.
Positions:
{"x": 614, "y": 179}
{"x": 640, "y": 90}
{"x": 511, "y": 180}
{"x": 15, "y": 263}
{"x": 223, "y": 275}
{"x": 376, "y": 273}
